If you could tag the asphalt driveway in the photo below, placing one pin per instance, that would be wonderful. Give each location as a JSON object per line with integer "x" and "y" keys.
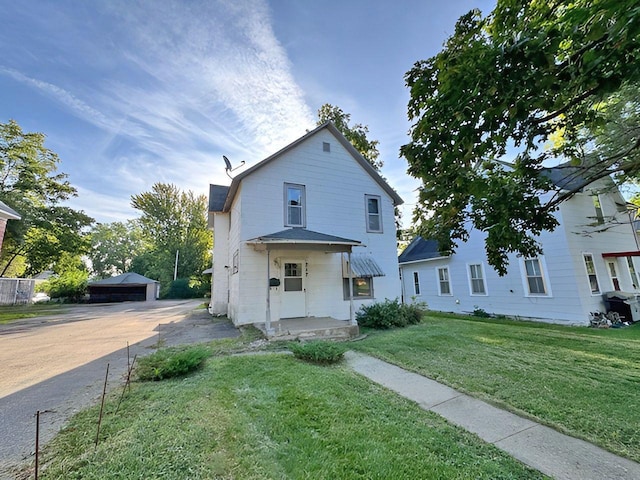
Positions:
{"x": 57, "y": 364}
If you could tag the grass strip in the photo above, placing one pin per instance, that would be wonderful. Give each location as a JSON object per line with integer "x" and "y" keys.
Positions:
{"x": 272, "y": 417}
{"x": 11, "y": 313}
{"x": 578, "y": 380}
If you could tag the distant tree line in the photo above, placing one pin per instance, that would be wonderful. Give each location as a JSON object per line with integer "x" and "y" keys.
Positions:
{"x": 51, "y": 236}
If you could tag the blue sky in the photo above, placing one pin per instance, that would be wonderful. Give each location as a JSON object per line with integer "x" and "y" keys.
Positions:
{"x": 130, "y": 93}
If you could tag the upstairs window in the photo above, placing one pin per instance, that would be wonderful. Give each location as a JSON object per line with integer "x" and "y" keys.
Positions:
{"x": 597, "y": 206}
{"x": 294, "y": 199}
{"x": 591, "y": 274}
{"x": 374, "y": 216}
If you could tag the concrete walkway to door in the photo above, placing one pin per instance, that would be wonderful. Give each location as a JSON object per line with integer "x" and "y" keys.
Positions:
{"x": 552, "y": 453}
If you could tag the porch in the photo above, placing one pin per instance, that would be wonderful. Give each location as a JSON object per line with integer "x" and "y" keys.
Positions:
{"x": 309, "y": 328}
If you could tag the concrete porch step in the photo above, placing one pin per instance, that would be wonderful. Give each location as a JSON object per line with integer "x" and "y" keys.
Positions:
{"x": 308, "y": 329}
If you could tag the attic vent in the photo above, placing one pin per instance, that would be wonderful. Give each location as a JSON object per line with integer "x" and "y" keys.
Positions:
{"x": 326, "y": 147}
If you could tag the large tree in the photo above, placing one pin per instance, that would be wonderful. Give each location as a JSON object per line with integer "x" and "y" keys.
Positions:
{"x": 114, "y": 246}
{"x": 173, "y": 221}
{"x": 534, "y": 80}
{"x": 30, "y": 184}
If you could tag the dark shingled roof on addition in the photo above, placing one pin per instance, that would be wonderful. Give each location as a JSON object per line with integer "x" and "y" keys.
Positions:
{"x": 303, "y": 235}
{"x": 217, "y": 197}
{"x": 420, "y": 249}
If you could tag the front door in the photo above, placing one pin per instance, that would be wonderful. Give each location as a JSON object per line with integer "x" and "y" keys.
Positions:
{"x": 294, "y": 301}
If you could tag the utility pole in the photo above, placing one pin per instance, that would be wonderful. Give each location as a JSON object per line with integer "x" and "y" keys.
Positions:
{"x": 175, "y": 268}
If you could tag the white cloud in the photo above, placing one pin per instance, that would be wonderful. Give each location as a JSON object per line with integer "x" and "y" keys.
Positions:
{"x": 173, "y": 87}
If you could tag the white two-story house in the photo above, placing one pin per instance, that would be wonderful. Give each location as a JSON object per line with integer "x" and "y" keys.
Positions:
{"x": 594, "y": 250}
{"x": 306, "y": 232}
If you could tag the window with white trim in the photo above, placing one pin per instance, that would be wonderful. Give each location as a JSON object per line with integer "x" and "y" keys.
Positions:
{"x": 598, "y": 208}
{"x": 633, "y": 273}
{"x": 362, "y": 287}
{"x": 443, "y": 281}
{"x": 294, "y": 200}
{"x": 613, "y": 273}
{"x": 591, "y": 273}
{"x": 416, "y": 283}
{"x": 476, "y": 279}
{"x": 374, "y": 213}
{"x": 535, "y": 277}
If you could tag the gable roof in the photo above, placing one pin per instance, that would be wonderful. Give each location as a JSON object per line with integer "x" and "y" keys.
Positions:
{"x": 343, "y": 141}
{"x": 7, "y": 212}
{"x": 130, "y": 278}
{"x": 420, "y": 249}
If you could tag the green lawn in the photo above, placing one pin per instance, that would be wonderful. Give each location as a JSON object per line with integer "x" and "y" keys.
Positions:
{"x": 271, "y": 417}
{"x": 11, "y": 313}
{"x": 584, "y": 382}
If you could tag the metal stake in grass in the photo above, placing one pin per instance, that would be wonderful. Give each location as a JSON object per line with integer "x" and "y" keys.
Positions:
{"x": 37, "y": 441}
{"x": 127, "y": 382}
{"x": 104, "y": 392}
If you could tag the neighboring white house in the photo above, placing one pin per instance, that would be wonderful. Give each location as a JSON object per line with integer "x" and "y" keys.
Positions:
{"x": 593, "y": 250}
{"x": 287, "y": 228}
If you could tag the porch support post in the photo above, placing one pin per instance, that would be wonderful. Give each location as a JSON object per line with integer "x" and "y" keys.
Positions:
{"x": 352, "y": 318}
{"x": 267, "y": 325}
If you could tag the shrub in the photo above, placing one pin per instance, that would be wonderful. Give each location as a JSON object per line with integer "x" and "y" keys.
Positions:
{"x": 187, "y": 288}
{"x": 389, "y": 314}
{"x": 413, "y": 313}
{"x": 479, "y": 312}
{"x": 320, "y": 352}
{"x": 70, "y": 285}
{"x": 380, "y": 315}
{"x": 171, "y": 362}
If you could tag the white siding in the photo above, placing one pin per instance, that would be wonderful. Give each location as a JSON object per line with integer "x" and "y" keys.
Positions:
{"x": 568, "y": 299}
{"x": 335, "y": 188}
{"x": 221, "y": 270}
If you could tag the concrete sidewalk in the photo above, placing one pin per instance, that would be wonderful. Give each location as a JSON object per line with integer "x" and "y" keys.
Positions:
{"x": 540, "y": 447}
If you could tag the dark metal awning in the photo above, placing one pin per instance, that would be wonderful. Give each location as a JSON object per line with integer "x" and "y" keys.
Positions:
{"x": 362, "y": 266}
{"x": 303, "y": 239}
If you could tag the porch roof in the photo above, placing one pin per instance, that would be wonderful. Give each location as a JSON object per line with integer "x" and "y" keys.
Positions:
{"x": 301, "y": 238}
{"x": 634, "y": 253}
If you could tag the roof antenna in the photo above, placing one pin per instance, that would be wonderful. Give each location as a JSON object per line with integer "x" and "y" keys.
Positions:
{"x": 228, "y": 168}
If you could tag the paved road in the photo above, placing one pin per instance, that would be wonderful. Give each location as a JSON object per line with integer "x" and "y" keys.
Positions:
{"x": 57, "y": 364}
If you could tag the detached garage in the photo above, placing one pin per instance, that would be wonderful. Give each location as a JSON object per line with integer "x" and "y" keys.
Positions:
{"x": 128, "y": 287}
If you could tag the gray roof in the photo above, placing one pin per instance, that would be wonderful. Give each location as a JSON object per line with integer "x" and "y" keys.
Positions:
{"x": 302, "y": 235}
{"x": 343, "y": 141}
{"x": 125, "y": 279}
{"x": 8, "y": 212}
{"x": 420, "y": 249}
{"x": 567, "y": 177}
{"x": 217, "y": 197}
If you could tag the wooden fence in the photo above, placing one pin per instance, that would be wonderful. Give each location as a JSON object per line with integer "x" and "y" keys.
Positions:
{"x": 16, "y": 291}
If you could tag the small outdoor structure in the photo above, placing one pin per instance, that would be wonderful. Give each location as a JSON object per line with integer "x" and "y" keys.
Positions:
{"x": 128, "y": 287}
